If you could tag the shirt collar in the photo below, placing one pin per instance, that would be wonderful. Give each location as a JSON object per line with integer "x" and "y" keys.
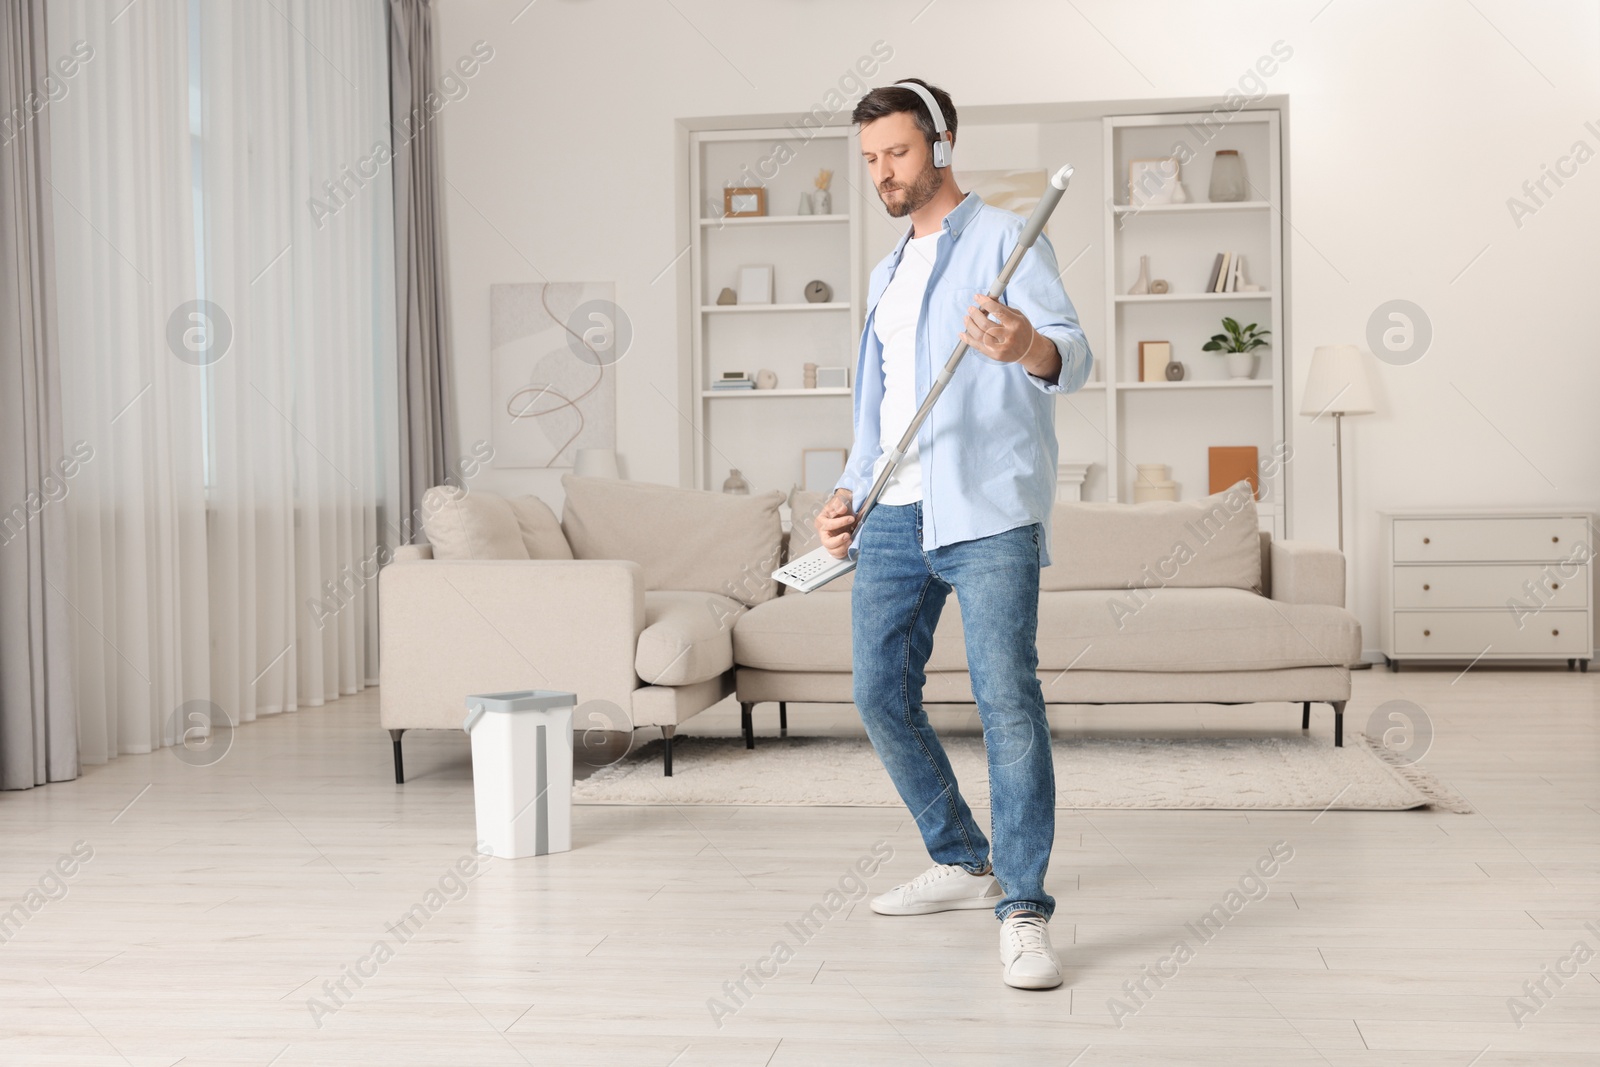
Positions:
{"x": 955, "y": 221}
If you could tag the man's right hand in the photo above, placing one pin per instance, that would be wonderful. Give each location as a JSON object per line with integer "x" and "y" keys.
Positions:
{"x": 835, "y": 523}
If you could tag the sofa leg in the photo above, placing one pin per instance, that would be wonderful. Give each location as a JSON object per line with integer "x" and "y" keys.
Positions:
{"x": 399, "y": 762}
{"x": 1305, "y": 715}
{"x": 783, "y": 719}
{"x": 1338, "y": 723}
{"x": 746, "y": 723}
{"x": 666, "y": 750}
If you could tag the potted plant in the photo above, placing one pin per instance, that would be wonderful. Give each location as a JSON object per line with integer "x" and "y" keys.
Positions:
{"x": 1239, "y": 345}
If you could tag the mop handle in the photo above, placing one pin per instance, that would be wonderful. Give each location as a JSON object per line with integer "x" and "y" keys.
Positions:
{"x": 1030, "y": 233}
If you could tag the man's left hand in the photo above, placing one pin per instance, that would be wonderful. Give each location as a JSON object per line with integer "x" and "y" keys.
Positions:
{"x": 1004, "y": 334}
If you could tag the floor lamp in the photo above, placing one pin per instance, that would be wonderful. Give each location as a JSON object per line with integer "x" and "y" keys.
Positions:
{"x": 1337, "y": 385}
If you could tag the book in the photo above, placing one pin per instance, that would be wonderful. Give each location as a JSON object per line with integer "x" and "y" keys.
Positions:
{"x": 1238, "y": 272}
{"x": 1222, "y": 276}
{"x": 734, "y": 385}
{"x": 1216, "y": 269}
{"x": 1153, "y": 359}
{"x": 1231, "y": 465}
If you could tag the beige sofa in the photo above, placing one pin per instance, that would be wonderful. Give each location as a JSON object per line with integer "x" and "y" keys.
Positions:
{"x": 628, "y": 601}
{"x": 1148, "y": 603}
{"x": 653, "y": 603}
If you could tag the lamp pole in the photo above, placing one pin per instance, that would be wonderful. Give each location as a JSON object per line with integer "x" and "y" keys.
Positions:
{"x": 1338, "y": 466}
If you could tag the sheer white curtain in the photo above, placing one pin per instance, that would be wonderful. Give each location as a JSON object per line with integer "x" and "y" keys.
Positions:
{"x": 306, "y": 273}
{"x": 224, "y": 532}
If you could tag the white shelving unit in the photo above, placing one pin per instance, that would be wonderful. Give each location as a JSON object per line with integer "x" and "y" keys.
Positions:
{"x": 1117, "y": 421}
{"x": 1152, "y": 422}
{"x": 764, "y": 440}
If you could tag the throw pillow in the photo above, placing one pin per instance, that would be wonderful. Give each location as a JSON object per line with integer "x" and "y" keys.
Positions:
{"x": 470, "y": 525}
{"x": 1213, "y": 542}
{"x": 687, "y": 539}
{"x": 541, "y": 530}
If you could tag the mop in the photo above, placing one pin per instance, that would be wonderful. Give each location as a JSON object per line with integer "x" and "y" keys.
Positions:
{"x": 819, "y": 566}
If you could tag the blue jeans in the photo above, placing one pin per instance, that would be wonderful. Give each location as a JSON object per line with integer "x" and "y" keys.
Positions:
{"x": 895, "y": 603}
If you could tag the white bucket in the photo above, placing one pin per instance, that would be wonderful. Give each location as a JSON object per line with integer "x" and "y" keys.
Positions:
{"x": 522, "y": 771}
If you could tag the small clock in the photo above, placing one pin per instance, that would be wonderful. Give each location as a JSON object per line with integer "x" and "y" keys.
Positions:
{"x": 818, "y": 292}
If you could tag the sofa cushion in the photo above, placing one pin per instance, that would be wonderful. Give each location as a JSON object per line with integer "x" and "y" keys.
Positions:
{"x": 1190, "y": 630}
{"x": 687, "y": 637}
{"x": 541, "y": 530}
{"x": 803, "y": 508}
{"x": 1209, "y": 543}
{"x": 1100, "y": 629}
{"x": 470, "y": 525}
{"x": 685, "y": 539}
{"x": 812, "y": 633}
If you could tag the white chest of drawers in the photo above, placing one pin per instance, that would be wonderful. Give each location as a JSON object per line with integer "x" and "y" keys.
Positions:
{"x": 1489, "y": 584}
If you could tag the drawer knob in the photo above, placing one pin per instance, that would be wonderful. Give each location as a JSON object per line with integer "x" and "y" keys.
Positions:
{"x": 1427, "y": 633}
{"x": 1555, "y": 539}
{"x": 1425, "y": 540}
{"x": 1426, "y": 587}
{"x": 1555, "y": 585}
{"x": 1555, "y": 633}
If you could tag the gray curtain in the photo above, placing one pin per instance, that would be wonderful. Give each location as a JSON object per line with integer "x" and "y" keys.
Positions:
{"x": 38, "y": 713}
{"x": 426, "y": 422}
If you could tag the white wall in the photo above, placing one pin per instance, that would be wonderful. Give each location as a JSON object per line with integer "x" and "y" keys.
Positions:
{"x": 1410, "y": 127}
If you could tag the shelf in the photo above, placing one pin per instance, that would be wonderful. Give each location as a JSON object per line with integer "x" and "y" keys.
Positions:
{"x": 1217, "y": 383}
{"x": 1159, "y": 298}
{"x": 758, "y": 393}
{"x": 768, "y": 220}
{"x": 1184, "y": 209}
{"x": 832, "y": 305}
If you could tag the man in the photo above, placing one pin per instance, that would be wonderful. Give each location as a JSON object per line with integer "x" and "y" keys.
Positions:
{"x": 967, "y": 510}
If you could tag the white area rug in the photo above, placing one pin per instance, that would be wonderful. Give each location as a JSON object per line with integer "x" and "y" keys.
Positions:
{"x": 1269, "y": 774}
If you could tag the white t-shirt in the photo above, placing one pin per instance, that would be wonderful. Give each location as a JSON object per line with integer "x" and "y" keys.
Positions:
{"x": 895, "y": 323}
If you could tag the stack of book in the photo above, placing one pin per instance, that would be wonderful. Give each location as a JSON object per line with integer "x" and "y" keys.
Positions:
{"x": 1227, "y": 275}
{"x": 733, "y": 380}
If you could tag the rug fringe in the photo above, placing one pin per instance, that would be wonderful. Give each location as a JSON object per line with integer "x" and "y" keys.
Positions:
{"x": 1436, "y": 791}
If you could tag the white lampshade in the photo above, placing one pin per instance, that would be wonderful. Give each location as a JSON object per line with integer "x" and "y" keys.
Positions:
{"x": 595, "y": 463}
{"x": 1337, "y": 383}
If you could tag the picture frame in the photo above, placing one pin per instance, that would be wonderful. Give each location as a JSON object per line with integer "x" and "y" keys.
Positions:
{"x": 1153, "y": 359}
{"x": 744, "y": 202}
{"x": 821, "y": 468}
{"x": 833, "y": 377}
{"x": 1152, "y": 181}
{"x": 755, "y": 284}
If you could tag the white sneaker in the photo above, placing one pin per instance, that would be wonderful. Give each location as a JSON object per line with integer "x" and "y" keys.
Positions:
{"x": 942, "y": 887}
{"x": 1030, "y": 962}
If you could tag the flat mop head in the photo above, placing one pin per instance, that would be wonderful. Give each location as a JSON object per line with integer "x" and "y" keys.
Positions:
{"x": 813, "y": 570}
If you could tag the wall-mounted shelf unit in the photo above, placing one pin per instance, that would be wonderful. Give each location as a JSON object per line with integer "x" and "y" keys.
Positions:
{"x": 764, "y": 442}
{"x": 1115, "y": 421}
{"x": 1155, "y": 422}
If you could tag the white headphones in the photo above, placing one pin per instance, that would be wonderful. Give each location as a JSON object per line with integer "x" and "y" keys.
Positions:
{"x": 941, "y": 143}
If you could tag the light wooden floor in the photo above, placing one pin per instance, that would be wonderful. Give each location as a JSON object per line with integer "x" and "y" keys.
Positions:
{"x": 220, "y": 899}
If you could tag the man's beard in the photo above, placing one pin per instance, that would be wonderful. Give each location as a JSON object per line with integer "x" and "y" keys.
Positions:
{"x": 918, "y": 193}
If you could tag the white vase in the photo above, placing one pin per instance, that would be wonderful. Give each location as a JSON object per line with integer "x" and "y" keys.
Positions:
{"x": 1141, "y": 284}
{"x": 822, "y": 202}
{"x": 1242, "y": 364}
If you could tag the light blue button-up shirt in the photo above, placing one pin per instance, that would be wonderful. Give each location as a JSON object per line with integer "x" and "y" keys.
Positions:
{"x": 988, "y": 449}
